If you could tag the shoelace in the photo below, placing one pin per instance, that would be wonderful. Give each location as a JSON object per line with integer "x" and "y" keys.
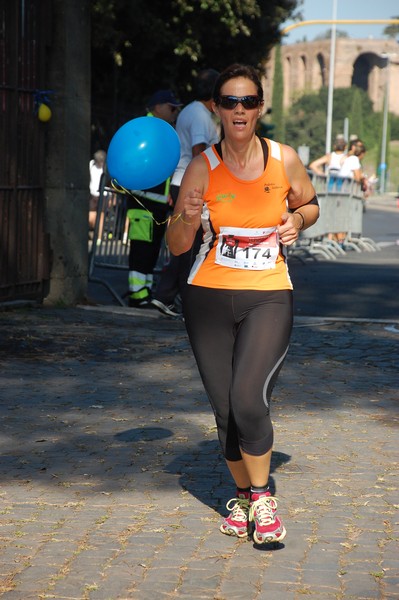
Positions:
{"x": 239, "y": 510}
{"x": 265, "y": 508}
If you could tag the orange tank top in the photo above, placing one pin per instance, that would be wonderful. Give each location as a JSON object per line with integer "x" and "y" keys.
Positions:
{"x": 240, "y": 248}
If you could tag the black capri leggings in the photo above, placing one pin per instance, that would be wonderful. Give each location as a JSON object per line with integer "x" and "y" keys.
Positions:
{"x": 240, "y": 339}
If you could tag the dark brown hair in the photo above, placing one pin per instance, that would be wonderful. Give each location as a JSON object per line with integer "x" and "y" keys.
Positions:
{"x": 340, "y": 145}
{"x": 233, "y": 71}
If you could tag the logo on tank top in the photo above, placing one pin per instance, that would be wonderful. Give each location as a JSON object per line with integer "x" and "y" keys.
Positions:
{"x": 225, "y": 198}
{"x": 270, "y": 187}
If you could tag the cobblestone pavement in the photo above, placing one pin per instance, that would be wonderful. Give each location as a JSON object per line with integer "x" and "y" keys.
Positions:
{"x": 113, "y": 484}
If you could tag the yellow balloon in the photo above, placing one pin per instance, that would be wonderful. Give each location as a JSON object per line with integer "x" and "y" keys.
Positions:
{"x": 44, "y": 113}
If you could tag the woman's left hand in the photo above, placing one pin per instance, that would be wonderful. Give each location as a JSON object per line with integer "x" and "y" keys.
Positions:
{"x": 289, "y": 230}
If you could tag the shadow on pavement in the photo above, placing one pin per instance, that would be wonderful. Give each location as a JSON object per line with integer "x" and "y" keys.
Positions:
{"x": 199, "y": 476}
{"x": 104, "y": 398}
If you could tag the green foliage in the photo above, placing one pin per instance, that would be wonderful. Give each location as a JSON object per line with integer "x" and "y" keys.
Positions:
{"x": 266, "y": 130}
{"x": 327, "y": 35}
{"x": 356, "y": 114}
{"x": 373, "y": 157}
{"x": 393, "y": 173}
{"x": 140, "y": 46}
{"x": 394, "y": 120}
{"x": 380, "y": 142}
{"x": 392, "y": 31}
{"x": 306, "y": 121}
{"x": 306, "y": 125}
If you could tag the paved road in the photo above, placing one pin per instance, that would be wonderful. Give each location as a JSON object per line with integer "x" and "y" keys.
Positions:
{"x": 362, "y": 285}
{"x": 112, "y": 481}
{"x": 357, "y": 285}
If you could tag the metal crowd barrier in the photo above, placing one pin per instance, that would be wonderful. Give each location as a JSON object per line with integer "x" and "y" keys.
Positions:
{"x": 110, "y": 246}
{"x": 341, "y": 211}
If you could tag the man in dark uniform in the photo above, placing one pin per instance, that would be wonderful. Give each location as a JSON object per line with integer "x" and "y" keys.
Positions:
{"x": 147, "y": 219}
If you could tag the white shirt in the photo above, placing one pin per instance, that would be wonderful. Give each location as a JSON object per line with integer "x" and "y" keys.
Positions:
{"x": 194, "y": 126}
{"x": 350, "y": 164}
{"x": 95, "y": 177}
{"x": 336, "y": 161}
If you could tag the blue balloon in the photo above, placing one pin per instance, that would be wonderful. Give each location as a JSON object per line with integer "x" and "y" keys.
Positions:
{"x": 143, "y": 153}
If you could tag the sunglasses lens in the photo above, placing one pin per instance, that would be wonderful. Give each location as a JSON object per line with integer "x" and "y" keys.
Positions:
{"x": 230, "y": 102}
{"x": 250, "y": 102}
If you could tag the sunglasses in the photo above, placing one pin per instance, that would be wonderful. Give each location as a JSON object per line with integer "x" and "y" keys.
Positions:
{"x": 230, "y": 102}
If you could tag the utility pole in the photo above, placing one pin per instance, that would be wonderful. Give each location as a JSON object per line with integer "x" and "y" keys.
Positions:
{"x": 331, "y": 80}
{"x": 383, "y": 161}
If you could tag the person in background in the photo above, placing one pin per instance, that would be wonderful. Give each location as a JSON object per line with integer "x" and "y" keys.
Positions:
{"x": 365, "y": 182}
{"x": 330, "y": 164}
{"x": 164, "y": 105}
{"x": 252, "y": 196}
{"x": 196, "y": 129}
{"x": 351, "y": 168}
{"x": 96, "y": 169}
{"x": 147, "y": 218}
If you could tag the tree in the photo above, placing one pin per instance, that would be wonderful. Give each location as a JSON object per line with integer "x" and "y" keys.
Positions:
{"x": 392, "y": 31}
{"x": 278, "y": 96}
{"x": 303, "y": 130}
{"x": 140, "y": 46}
{"x": 382, "y": 168}
{"x": 394, "y": 121}
{"x": 306, "y": 124}
{"x": 327, "y": 35}
{"x": 356, "y": 114}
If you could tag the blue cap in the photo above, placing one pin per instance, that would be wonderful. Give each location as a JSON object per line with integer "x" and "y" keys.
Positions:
{"x": 163, "y": 97}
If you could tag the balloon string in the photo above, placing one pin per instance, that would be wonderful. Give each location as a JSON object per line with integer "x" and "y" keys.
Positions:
{"x": 170, "y": 220}
{"x": 122, "y": 190}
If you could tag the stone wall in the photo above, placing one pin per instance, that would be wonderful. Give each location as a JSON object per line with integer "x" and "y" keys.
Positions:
{"x": 306, "y": 67}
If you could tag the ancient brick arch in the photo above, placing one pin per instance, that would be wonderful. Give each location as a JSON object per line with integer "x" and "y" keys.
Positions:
{"x": 361, "y": 70}
{"x": 357, "y": 62}
{"x": 320, "y": 71}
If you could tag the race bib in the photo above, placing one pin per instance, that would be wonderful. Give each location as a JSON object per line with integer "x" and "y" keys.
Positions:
{"x": 251, "y": 249}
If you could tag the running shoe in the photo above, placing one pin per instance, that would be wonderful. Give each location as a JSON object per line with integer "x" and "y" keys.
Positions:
{"x": 140, "y": 303}
{"x": 268, "y": 526}
{"x": 237, "y": 522}
{"x": 166, "y": 309}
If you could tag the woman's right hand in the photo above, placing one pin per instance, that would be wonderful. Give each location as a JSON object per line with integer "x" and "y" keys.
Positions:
{"x": 192, "y": 206}
{"x": 186, "y": 218}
